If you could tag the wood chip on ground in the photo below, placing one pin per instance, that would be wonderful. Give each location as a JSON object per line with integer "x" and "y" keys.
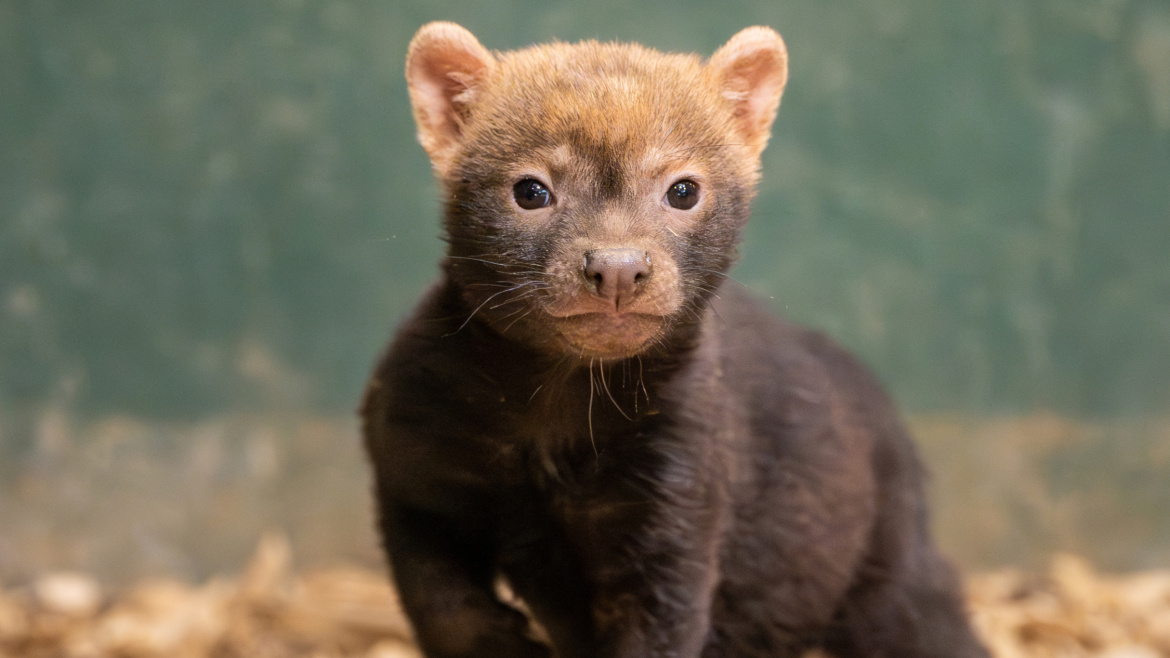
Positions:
{"x": 272, "y": 612}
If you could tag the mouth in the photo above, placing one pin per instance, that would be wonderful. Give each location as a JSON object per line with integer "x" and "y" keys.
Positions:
{"x": 610, "y": 335}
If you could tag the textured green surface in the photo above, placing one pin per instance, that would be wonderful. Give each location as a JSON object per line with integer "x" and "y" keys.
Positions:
{"x": 219, "y": 207}
{"x": 975, "y": 195}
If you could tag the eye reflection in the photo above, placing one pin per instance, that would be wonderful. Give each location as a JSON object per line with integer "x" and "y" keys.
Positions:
{"x": 683, "y": 195}
{"x": 531, "y": 194}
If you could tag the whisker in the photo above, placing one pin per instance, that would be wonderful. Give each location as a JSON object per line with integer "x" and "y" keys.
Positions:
{"x": 605, "y": 385}
{"x": 507, "y": 267}
{"x": 642, "y": 383}
{"x": 502, "y": 284}
{"x": 725, "y": 275}
{"x": 590, "y": 412}
{"x": 478, "y": 260}
{"x": 688, "y": 309}
{"x": 477, "y": 308}
{"x": 524, "y": 295}
{"x": 515, "y": 321}
{"x": 519, "y": 310}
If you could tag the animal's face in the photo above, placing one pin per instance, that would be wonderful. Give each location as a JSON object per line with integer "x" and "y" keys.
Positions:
{"x": 595, "y": 191}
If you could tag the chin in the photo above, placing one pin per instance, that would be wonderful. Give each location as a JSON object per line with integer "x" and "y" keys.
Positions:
{"x": 609, "y": 335}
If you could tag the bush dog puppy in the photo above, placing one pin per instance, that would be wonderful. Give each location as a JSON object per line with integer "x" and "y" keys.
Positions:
{"x": 579, "y": 407}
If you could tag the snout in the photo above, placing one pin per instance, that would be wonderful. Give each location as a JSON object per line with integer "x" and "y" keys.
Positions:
{"x": 636, "y": 277}
{"x": 617, "y": 275}
{"x": 611, "y": 300}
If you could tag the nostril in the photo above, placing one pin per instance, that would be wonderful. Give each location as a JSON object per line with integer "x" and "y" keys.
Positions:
{"x": 616, "y": 274}
{"x": 592, "y": 269}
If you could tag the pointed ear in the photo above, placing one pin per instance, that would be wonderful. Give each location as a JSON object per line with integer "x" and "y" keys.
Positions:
{"x": 752, "y": 68}
{"x": 445, "y": 69}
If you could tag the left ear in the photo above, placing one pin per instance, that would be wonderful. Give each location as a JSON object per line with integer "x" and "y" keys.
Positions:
{"x": 752, "y": 68}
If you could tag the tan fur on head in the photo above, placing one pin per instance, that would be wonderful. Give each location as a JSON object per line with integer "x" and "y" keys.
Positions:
{"x": 445, "y": 67}
{"x": 448, "y": 71}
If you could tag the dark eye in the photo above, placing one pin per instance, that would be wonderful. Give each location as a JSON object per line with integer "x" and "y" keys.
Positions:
{"x": 531, "y": 194}
{"x": 683, "y": 195}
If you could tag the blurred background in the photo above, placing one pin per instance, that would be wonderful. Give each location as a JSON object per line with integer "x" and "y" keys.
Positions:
{"x": 213, "y": 214}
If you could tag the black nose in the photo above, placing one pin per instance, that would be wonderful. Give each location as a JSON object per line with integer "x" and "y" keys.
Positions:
{"x": 616, "y": 274}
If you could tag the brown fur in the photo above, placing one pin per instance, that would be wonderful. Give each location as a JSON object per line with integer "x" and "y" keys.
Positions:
{"x": 656, "y": 465}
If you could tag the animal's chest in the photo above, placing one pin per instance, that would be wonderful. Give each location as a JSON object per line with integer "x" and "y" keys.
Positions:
{"x": 575, "y": 514}
{"x": 581, "y": 467}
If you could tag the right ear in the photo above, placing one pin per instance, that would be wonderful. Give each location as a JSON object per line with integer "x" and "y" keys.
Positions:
{"x": 445, "y": 70}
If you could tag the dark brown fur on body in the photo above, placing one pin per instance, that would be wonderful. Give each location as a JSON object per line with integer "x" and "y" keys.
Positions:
{"x": 656, "y": 468}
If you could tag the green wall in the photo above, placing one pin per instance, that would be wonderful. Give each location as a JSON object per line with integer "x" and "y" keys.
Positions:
{"x": 218, "y": 207}
{"x": 973, "y": 194}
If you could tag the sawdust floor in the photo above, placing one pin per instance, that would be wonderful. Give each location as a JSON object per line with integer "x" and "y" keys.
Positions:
{"x": 271, "y": 612}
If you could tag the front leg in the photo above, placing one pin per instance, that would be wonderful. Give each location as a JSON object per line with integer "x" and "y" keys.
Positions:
{"x": 651, "y": 548}
{"x": 656, "y": 603}
{"x": 444, "y": 575}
